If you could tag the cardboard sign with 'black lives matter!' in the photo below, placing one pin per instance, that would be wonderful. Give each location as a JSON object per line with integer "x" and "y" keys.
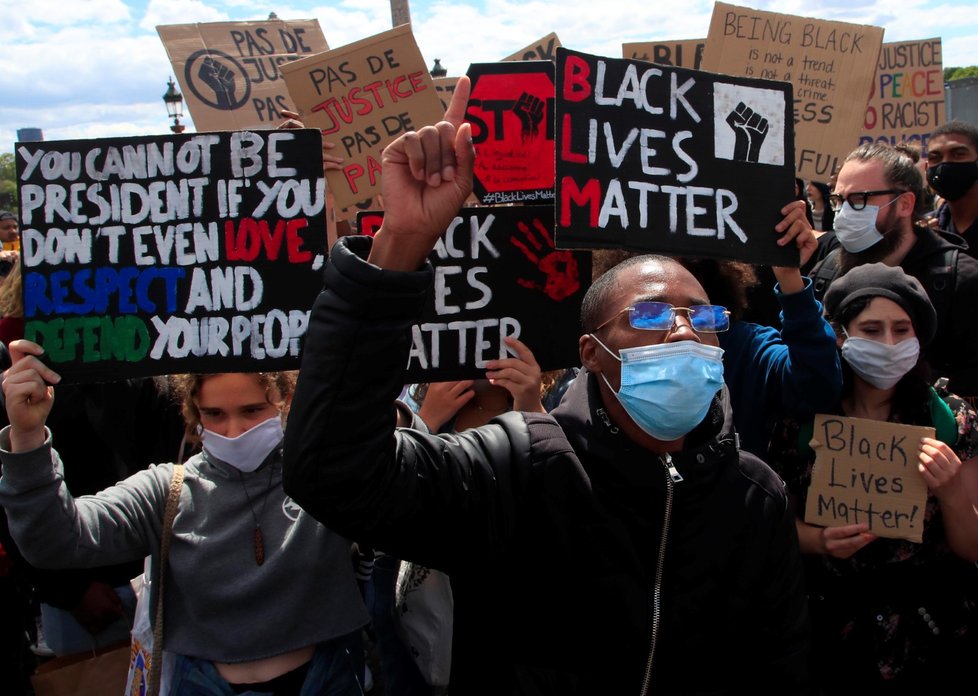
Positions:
{"x": 866, "y": 472}
{"x": 230, "y": 72}
{"x": 363, "y": 96}
{"x": 169, "y": 254}
{"x": 831, "y": 65}
{"x": 497, "y": 274}
{"x": 664, "y": 159}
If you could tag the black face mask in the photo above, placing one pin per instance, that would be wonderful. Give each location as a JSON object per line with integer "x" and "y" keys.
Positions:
{"x": 952, "y": 180}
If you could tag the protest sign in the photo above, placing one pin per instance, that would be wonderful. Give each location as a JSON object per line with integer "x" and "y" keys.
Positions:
{"x": 681, "y": 54}
{"x": 830, "y": 64}
{"x": 907, "y": 101}
{"x": 363, "y": 96}
{"x": 671, "y": 160}
{"x": 497, "y": 274}
{"x": 167, "y": 254}
{"x": 511, "y": 111}
{"x": 866, "y": 472}
{"x": 231, "y": 72}
{"x": 445, "y": 87}
{"x": 544, "y": 49}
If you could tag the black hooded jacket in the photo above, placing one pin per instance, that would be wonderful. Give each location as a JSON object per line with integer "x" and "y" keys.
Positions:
{"x": 551, "y": 526}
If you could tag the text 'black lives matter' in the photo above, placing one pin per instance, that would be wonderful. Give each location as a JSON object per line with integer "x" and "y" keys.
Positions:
{"x": 497, "y": 274}
{"x": 167, "y": 254}
{"x": 671, "y": 160}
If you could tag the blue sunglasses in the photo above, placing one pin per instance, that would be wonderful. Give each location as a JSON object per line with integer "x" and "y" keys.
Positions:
{"x": 661, "y": 316}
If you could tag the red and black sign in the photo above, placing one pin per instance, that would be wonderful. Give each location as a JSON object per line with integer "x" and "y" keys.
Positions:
{"x": 497, "y": 274}
{"x": 511, "y": 112}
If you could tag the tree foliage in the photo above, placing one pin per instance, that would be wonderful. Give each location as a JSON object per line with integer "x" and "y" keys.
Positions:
{"x": 960, "y": 73}
{"x": 8, "y": 181}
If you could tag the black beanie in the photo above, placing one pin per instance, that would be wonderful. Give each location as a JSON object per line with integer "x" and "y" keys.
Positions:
{"x": 880, "y": 280}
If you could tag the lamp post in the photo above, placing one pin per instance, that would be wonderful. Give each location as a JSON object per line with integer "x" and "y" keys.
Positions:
{"x": 174, "y": 106}
{"x": 437, "y": 70}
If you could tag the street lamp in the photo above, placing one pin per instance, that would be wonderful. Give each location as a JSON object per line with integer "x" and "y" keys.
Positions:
{"x": 437, "y": 70}
{"x": 174, "y": 106}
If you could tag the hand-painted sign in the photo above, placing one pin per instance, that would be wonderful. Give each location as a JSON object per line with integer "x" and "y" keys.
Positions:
{"x": 907, "y": 101}
{"x": 671, "y": 160}
{"x": 497, "y": 274}
{"x": 544, "y": 49}
{"x": 687, "y": 53}
{"x": 230, "y": 72}
{"x": 830, "y": 64}
{"x": 363, "y": 96}
{"x": 511, "y": 112}
{"x": 866, "y": 472}
{"x": 166, "y": 254}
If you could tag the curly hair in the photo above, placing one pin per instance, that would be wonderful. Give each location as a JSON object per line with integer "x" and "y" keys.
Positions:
{"x": 185, "y": 390}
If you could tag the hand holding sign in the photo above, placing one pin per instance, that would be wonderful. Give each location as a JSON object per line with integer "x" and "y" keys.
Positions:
{"x": 293, "y": 121}
{"x": 443, "y": 400}
{"x": 28, "y": 396}
{"x": 520, "y": 376}
{"x": 838, "y": 542}
{"x": 939, "y": 466}
{"x": 427, "y": 175}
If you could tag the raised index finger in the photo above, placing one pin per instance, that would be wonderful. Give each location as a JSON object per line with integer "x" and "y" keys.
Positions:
{"x": 455, "y": 114}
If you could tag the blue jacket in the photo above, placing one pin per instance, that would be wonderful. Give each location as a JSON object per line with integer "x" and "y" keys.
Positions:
{"x": 771, "y": 373}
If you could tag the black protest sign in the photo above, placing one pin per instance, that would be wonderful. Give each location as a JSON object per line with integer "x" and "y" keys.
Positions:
{"x": 511, "y": 111}
{"x": 167, "y": 254}
{"x": 497, "y": 274}
{"x": 672, "y": 160}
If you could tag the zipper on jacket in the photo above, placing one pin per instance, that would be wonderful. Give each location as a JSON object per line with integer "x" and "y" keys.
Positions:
{"x": 672, "y": 478}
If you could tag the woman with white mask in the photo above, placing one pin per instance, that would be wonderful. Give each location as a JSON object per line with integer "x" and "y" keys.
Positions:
{"x": 258, "y": 597}
{"x": 891, "y": 615}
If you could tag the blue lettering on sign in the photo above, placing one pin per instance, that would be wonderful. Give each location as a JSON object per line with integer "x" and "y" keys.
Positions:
{"x": 124, "y": 290}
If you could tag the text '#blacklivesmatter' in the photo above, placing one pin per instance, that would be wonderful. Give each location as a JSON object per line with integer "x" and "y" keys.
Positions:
{"x": 145, "y": 251}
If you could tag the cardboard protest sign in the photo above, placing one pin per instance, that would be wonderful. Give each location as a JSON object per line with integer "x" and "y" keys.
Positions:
{"x": 363, "y": 96}
{"x": 511, "y": 112}
{"x": 544, "y": 49}
{"x": 866, "y": 471}
{"x": 167, "y": 254}
{"x": 830, "y": 64}
{"x": 687, "y": 53}
{"x": 671, "y": 160}
{"x": 497, "y": 274}
{"x": 907, "y": 100}
{"x": 231, "y": 72}
{"x": 445, "y": 87}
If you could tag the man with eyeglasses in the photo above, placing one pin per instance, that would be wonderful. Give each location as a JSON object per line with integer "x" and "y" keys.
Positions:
{"x": 620, "y": 545}
{"x": 879, "y": 194}
{"x": 952, "y": 171}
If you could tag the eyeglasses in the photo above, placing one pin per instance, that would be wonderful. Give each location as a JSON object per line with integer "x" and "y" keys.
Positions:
{"x": 661, "y": 316}
{"x": 857, "y": 200}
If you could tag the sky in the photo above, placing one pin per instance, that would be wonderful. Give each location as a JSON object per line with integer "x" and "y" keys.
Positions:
{"x": 97, "y": 68}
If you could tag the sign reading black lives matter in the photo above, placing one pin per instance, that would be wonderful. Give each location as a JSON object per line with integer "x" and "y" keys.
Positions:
{"x": 672, "y": 160}
{"x": 497, "y": 274}
{"x": 168, "y": 254}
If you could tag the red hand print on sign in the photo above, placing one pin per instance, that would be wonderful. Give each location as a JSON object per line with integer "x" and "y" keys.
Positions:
{"x": 561, "y": 275}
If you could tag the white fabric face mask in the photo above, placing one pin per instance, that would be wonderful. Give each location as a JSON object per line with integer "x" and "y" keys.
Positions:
{"x": 247, "y": 451}
{"x": 856, "y": 229}
{"x": 880, "y": 364}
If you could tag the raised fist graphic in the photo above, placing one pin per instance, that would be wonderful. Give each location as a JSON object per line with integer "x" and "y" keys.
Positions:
{"x": 529, "y": 109}
{"x": 750, "y": 129}
{"x": 219, "y": 78}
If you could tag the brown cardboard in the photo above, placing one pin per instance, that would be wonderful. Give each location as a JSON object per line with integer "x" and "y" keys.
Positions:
{"x": 246, "y": 59}
{"x": 830, "y": 64}
{"x": 686, "y": 53}
{"x": 907, "y": 98}
{"x": 445, "y": 87}
{"x": 543, "y": 49}
{"x": 363, "y": 96}
{"x": 866, "y": 471}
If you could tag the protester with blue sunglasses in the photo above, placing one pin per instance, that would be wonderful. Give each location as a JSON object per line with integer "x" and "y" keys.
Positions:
{"x": 619, "y": 545}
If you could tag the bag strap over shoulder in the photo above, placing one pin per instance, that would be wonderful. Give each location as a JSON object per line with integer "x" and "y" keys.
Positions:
{"x": 172, "y": 504}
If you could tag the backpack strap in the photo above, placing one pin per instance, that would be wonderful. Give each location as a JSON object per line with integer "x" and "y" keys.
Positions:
{"x": 826, "y": 272}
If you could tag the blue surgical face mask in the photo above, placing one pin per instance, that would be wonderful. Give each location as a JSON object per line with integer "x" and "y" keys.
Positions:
{"x": 856, "y": 229}
{"x": 667, "y": 388}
